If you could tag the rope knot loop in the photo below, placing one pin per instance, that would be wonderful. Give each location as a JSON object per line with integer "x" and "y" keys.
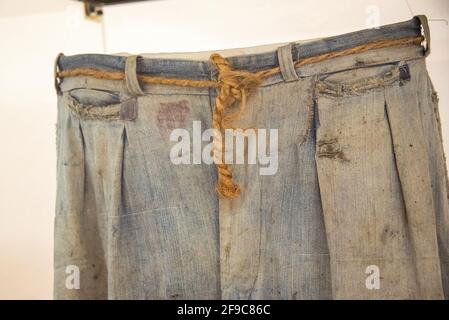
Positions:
{"x": 234, "y": 86}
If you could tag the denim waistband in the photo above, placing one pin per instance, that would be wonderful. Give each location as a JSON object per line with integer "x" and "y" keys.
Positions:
{"x": 198, "y": 70}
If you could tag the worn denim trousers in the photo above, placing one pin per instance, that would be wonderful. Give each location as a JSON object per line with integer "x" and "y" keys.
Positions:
{"x": 361, "y": 181}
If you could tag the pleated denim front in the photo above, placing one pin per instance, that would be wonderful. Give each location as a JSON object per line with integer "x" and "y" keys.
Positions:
{"x": 361, "y": 181}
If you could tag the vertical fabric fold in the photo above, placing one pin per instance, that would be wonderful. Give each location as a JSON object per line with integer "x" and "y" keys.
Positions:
{"x": 90, "y": 155}
{"x": 361, "y": 199}
{"x": 104, "y": 151}
{"x": 438, "y": 172}
{"x": 71, "y": 250}
{"x": 411, "y": 156}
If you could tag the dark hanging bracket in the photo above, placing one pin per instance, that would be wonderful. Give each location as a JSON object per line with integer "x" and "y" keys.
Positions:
{"x": 93, "y": 10}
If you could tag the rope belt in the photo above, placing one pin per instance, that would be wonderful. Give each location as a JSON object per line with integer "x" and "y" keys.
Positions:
{"x": 234, "y": 87}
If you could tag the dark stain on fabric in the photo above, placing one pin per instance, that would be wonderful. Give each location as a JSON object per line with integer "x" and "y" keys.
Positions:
{"x": 435, "y": 98}
{"x": 388, "y": 234}
{"x": 172, "y": 115}
{"x": 114, "y": 231}
{"x": 128, "y": 110}
{"x": 329, "y": 148}
{"x": 404, "y": 73}
{"x": 227, "y": 250}
{"x": 72, "y": 163}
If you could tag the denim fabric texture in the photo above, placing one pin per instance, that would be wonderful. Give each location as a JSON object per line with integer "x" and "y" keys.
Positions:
{"x": 365, "y": 185}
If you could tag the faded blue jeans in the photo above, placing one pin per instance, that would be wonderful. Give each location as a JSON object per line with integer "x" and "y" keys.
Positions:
{"x": 360, "y": 191}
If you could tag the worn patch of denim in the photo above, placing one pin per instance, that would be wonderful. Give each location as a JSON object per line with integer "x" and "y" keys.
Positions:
{"x": 367, "y": 186}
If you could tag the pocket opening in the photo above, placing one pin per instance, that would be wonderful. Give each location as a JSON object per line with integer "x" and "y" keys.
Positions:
{"x": 359, "y": 81}
{"x": 94, "y": 97}
{"x": 93, "y": 104}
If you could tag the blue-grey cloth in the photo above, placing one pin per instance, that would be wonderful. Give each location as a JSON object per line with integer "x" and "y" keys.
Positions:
{"x": 361, "y": 186}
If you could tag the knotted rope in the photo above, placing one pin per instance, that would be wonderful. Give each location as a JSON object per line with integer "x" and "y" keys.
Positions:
{"x": 234, "y": 87}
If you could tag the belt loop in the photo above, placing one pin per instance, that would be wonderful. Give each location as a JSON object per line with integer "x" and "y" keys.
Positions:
{"x": 132, "y": 84}
{"x": 425, "y": 26}
{"x": 286, "y": 64}
{"x": 56, "y": 70}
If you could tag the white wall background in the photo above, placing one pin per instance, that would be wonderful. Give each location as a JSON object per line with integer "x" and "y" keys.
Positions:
{"x": 32, "y": 32}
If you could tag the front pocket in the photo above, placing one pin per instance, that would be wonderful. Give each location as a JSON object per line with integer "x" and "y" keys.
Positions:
{"x": 362, "y": 80}
{"x": 93, "y": 104}
{"x": 95, "y": 97}
{"x": 373, "y": 171}
{"x": 361, "y": 197}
